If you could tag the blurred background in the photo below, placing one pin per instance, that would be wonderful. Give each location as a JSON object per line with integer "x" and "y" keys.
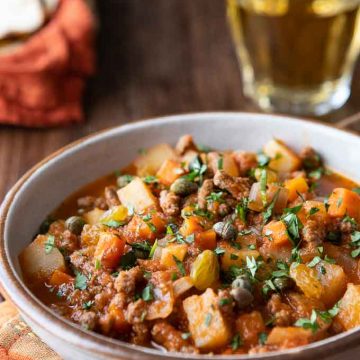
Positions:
{"x": 154, "y": 57}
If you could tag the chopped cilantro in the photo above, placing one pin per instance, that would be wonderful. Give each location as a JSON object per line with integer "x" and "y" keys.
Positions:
{"x": 208, "y": 318}
{"x": 269, "y": 211}
{"x": 313, "y": 211}
{"x": 220, "y": 163}
{"x": 153, "y": 248}
{"x": 185, "y": 336}
{"x": 293, "y": 210}
{"x": 293, "y": 227}
{"x": 262, "y": 338}
{"x": 215, "y": 196}
{"x": 80, "y": 281}
{"x": 147, "y": 293}
{"x": 236, "y": 342}
{"x": 233, "y": 256}
{"x": 219, "y": 251}
{"x": 241, "y": 209}
{"x": 263, "y": 182}
{"x": 114, "y": 223}
{"x": 179, "y": 265}
{"x": 49, "y": 244}
{"x": 316, "y": 260}
{"x": 251, "y": 247}
{"x": 87, "y": 305}
{"x": 128, "y": 260}
{"x": 252, "y": 265}
{"x": 225, "y": 301}
{"x": 310, "y": 324}
{"x": 97, "y": 264}
{"x": 150, "y": 179}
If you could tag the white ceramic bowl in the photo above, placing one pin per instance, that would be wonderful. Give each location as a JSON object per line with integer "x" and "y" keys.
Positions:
{"x": 39, "y": 191}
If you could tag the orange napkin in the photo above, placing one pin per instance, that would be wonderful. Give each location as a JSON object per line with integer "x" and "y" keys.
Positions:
{"x": 42, "y": 81}
{"x": 17, "y": 341}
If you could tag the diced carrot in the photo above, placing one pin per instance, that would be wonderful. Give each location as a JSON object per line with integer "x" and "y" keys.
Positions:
{"x": 275, "y": 234}
{"x": 145, "y": 227}
{"x": 313, "y": 210}
{"x": 206, "y": 240}
{"x": 191, "y": 225}
{"x": 170, "y": 170}
{"x": 249, "y": 326}
{"x": 344, "y": 202}
{"x": 296, "y": 186}
{"x": 109, "y": 250}
{"x": 288, "y": 337}
{"x": 59, "y": 277}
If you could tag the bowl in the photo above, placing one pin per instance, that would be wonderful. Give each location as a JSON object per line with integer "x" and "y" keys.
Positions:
{"x": 42, "y": 188}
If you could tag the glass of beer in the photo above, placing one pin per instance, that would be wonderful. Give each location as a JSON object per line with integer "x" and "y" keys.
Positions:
{"x": 296, "y": 56}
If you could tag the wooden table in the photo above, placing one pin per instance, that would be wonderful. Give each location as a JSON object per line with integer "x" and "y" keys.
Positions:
{"x": 156, "y": 57}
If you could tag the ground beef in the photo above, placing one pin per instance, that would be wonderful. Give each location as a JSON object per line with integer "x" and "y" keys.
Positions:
{"x": 184, "y": 144}
{"x": 205, "y": 190}
{"x": 281, "y": 312}
{"x": 310, "y": 158}
{"x": 90, "y": 202}
{"x": 69, "y": 242}
{"x": 136, "y": 312}
{"x": 140, "y": 334}
{"x": 87, "y": 319}
{"x": 238, "y": 187}
{"x": 245, "y": 161}
{"x": 314, "y": 232}
{"x": 111, "y": 196}
{"x": 226, "y": 309}
{"x": 170, "y": 338}
{"x": 126, "y": 281}
{"x": 151, "y": 265}
{"x": 169, "y": 203}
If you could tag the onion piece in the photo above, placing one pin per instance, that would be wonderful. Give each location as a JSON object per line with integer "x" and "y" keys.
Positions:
{"x": 255, "y": 201}
{"x": 182, "y": 285}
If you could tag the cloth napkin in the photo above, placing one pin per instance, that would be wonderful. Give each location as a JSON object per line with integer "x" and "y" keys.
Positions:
{"x": 42, "y": 80}
{"x": 17, "y": 341}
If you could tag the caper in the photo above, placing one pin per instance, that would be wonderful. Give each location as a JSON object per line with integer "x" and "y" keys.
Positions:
{"x": 283, "y": 283}
{"x": 123, "y": 180}
{"x": 75, "y": 224}
{"x": 225, "y": 230}
{"x": 183, "y": 187}
{"x": 242, "y": 296}
{"x": 242, "y": 281}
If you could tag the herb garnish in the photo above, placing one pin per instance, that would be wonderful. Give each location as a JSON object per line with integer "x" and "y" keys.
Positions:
{"x": 355, "y": 242}
{"x": 293, "y": 227}
{"x": 236, "y": 342}
{"x": 263, "y": 182}
{"x": 179, "y": 265}
{"x": 267, "y": 214}
{"x": 147, "y": 293}
{"x": 49, "y": 244}
{"x": 241, "y": 209}
{"x": 80, "y": 281}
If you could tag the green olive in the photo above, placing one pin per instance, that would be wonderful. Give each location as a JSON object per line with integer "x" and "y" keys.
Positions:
{"x": 283, "y": 283}
{"x": 183, "y": 187}
{"x": 225, "y": 230}
{"x": 205, "y": 270}
{"x": 75, "y": 224}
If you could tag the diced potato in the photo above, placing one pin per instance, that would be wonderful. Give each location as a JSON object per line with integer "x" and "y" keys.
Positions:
{"x": 349, "y": 313}
{"x": 223, "y": 162}
{"x": 59, "y": 277}
{"x": 109, "y": 250}
{"x": 333, "y": 281}
{"x": 288, "y": 337}
{"x": 93, "y": 217}
{"x": 206, "y": 240}
{"x": 208, "y": 328}
{"x": 168, "y": 253}
{"x": 307, "y": 280}
{"x": 117, "y": 213}
{"x": 170, "y": 171}
{"x": 344, "y": 202}
{"x": 275, "y": 235}
{"x": 235, "y": 257}
{"x": 249, "y": 326}
{"x": 37, "y": 264}
{"x": 150, "y": 162}
{"x": 137, "y": 196}
{"x": 296, "y": 186}
{"x": 284, "y": 160}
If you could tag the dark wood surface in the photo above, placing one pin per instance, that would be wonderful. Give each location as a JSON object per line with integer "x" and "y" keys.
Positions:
{"x": 155, "y": 57}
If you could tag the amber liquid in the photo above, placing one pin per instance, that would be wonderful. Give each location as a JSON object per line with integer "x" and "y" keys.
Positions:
{"x": 296, "y": 54}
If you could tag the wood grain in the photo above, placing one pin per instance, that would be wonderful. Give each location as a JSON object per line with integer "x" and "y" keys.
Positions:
{"x": 155, "y": 57}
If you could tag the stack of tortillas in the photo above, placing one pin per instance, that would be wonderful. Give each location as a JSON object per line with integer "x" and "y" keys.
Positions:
{"x": 46, "y": 54}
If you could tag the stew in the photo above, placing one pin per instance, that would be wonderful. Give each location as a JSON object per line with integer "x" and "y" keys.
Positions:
{"x": 195, "y": 250}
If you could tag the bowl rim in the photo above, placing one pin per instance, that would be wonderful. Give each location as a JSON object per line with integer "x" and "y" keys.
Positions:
{"x": 15, "y": 290}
